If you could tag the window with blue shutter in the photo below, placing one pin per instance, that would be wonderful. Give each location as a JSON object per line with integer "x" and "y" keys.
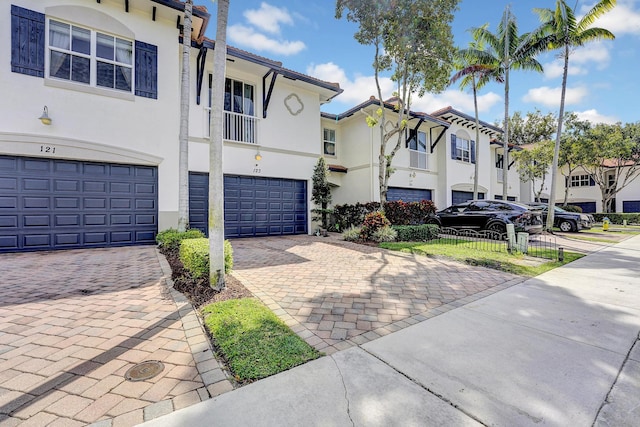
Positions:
{"x": 453, "y": 147}
{"x": 473, "y": 151}
{"x": 27, "y": 41}
{"x": 146, "y": 70}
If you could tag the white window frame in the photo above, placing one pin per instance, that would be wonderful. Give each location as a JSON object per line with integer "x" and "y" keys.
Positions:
{"x": 329, "y": 139}
{"x": 92, "y": 57}
{"x": 579, "y": 181}
{"x": 418, "y": 156}
{"x": 463, "y": 146}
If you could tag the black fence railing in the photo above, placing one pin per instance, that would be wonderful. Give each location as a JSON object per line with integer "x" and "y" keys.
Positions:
{"x": 537, "y": 245}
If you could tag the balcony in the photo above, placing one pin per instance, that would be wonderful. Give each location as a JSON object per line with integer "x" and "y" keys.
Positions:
{"x": 238, "y": 127}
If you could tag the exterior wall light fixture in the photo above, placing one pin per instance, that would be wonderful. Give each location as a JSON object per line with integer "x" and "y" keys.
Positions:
{"x": 44, "y": 118}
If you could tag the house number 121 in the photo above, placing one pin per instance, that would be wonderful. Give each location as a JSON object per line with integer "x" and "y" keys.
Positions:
{"x": 47, "y": 149}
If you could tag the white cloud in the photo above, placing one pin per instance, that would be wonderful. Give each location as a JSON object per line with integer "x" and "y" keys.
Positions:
{"x": 268, "y": 18}
{"x": 360, "y": 88}
{"x": 597, "y": 52}
{"x": 248, "y": 37}
{"x": 550, "y": 96}
{"x": 594, "y": 117}
{"x": 622, "y": 19}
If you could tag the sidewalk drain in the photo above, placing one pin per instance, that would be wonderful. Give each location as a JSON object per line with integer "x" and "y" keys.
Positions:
{"x": 144, "y": 371}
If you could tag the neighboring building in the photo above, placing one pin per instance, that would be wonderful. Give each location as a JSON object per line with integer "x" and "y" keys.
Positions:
{"x": 435, "y": 162}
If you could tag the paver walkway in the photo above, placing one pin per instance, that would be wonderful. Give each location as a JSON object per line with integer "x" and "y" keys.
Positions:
{"x": 73, "y": 322}
{"x": 337, "y": 294}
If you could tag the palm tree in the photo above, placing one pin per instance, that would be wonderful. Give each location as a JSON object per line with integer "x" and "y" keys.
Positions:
{"x": 506, "y": 51}
{"x": 471, "y": 73}
{"x": 183, "y": 158}
{"x": 562, "y": 30}
{"x": 216, "y": 190}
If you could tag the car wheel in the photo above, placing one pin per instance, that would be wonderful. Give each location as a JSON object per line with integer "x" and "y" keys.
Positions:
{"x": 566, "y": 226}
{"x": 497, "y": 227}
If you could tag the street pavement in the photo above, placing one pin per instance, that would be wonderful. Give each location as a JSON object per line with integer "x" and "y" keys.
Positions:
{"x": 560, "y": 349}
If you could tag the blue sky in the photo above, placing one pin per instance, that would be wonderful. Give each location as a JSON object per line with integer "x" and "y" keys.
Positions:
{"x": 304, "y": 35}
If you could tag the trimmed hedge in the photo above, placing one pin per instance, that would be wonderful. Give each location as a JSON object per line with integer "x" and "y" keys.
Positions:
{"x": 194, "y": 255}
{"x": 170, "y": 239}
{"x": 416, "y": 233}
{"x": 398, "y": 213}
{"x": 617, "y": 218}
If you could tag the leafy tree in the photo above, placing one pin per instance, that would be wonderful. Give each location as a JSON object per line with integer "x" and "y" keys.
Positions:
{"x": 216, "y": 189}
{"x": 471, "y": 73}
{"x": 183, "y": 158}
{"x": 571, "y": 143}
{"x": 321, "y": 192}
{"x": 533, "y": 163}
{"x": 413, "y": 42}
{"x": 534, "y": 127}
{"x": 562, "y": 30}
{"x": 507, "y": 50}
{"x": 612, "y": 158}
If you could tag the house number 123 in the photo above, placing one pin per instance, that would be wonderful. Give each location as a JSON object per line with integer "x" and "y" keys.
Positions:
{"x": 47, "y": 149}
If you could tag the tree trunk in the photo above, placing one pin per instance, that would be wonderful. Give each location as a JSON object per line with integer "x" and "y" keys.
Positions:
{"x": 183, "y": 159}
{"x": 556, "y": 148}
{"x": 505, "y": 144}
{"x": 475, "y": 166}
{"x": 216, "y": 190}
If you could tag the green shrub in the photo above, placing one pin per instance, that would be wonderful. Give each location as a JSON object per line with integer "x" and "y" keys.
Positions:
{"x": 409, "y": 213}
{"x": 351, "y": 234}
{"x": 345, "y": 216}
{"x": 170, "y": 239}
{"x": 194, "y": 255}
{"x": 372, "y": 222}
{"x": 384, "y": 234}
{"x": 572, "y": 208}
{"x": 618, "y": 218}
{"x": 416, "y": 233}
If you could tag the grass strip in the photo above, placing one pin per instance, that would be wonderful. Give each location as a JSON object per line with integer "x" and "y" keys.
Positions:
{"x": 467, "y": 253}
{"x": 253, "y": 340}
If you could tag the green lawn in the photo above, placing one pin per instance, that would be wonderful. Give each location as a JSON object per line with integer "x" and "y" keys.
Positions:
{"x": 466, "y": 251}
{"x": 253, "y": 340}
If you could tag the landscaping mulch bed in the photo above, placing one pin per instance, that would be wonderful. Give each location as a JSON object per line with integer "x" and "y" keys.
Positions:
{"x": 198, "y": 290}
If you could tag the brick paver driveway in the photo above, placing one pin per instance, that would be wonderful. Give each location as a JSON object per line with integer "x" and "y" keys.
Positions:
{"x": 336, "y": 294}
{"x": 73, "y": 322}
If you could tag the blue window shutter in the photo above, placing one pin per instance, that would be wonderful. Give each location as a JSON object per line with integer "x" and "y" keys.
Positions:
{"x": 591, "y": 181}
{"x": 566, "y": 181}
{"x": 473, "y": 151}
{"x": 27, "y": 42}
{"x": 146, "y": 70}
{"x": 453, "y": 147}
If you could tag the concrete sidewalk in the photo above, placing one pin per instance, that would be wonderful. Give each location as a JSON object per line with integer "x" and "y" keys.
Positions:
{"x": 559, "y": 349}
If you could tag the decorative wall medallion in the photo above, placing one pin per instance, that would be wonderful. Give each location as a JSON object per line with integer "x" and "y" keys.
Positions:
{"x": 294, "y": 104}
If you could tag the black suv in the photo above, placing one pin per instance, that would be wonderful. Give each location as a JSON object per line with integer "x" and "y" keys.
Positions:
{"x": 564, "y": 220}
{"x": 492, "y": 215}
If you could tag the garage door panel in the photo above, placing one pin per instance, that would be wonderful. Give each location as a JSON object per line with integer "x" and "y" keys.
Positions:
{"x": 8, "y": 242}
{"x": 95, "y": 203}
{"x": 68, "y": 239}
{"x": 62, "y": 167}
{"x": 149, "y": 204}
{"x": 67, "y": 220}
{"x": 9, "y": 184}
{"x": 145, "y": 189}
{"x": 121, "y": 219}
{"x": 120, "y": 187}
{"x": 121, "y": 237}
{"x": 95, "y": 220}
{"x": 95, "y": 169}
{"x": 145, "y": 219}
{"x": 34, "y": 241}
{"x": 631, "y": 206}
{"x": 8, "y": 202}
{"x": 35, "y": 184}
{"x": 94, "y": 187}
{"x": 120, "y": 204}
{"x": 36, "y": 203}
{"x": 254, "y": 206}
{"x": 66, "y": 185}
{"x": 408, "y": 194}
{"x": 36, "y": 221}
{"x": 8, "y": 221}
{"x": 37, "y": 165}
{"x": 66, "y": 202}
{"x": 95, "y": 239}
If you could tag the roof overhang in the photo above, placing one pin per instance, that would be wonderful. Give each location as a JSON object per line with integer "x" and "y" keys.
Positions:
{"x": 458, "y": 117}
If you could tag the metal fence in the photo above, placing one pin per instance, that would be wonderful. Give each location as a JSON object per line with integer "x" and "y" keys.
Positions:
{"x": 537, "y": 245}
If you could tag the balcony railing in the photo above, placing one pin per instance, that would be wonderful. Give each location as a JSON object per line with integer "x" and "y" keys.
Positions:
{"x": 237, "y": 127}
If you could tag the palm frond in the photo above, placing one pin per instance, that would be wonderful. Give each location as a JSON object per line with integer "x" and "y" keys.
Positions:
{"x": 600, "y": 8}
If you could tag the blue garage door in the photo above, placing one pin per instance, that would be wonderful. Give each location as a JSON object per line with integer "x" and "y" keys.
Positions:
{"x": 587, "y": 207}
{"x": 631, "y": 206}
{"x": 408, "y": 194}
{"x": 463, "y": 196}
{"x": 50, "y": 204}
{"x": 253, "y": 206}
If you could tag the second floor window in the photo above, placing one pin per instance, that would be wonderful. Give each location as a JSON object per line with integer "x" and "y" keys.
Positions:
{"x": 418, "y": 150}
{"x": 84, "y": 56}
{"x": 329, "y": 142}
{"x": 239, "y": 97}
{"x": 580, "y": 181}
{"x": 240, "y": 123}
{"x": 463, "y": 149}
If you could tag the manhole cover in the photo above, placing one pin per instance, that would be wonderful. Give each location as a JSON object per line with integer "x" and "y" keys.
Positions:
{"x": 144, "y": 371}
